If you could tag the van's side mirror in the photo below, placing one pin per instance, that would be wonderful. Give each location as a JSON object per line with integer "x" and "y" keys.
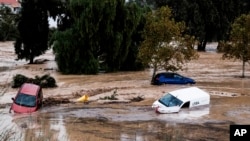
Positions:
{"x": 12, "y": 98}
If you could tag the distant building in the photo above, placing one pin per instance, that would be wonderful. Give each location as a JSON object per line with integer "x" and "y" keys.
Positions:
{"x": 14, "y": 5}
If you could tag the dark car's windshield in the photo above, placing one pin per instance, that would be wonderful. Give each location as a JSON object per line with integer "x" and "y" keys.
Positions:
{"x": 25, "y": 100}
{"x": 170, "y": 101}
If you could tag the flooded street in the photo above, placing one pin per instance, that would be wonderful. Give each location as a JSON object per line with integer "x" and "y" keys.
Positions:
{"x": 123, "y": 120}
{"x": 126, "y": 123}
{"x": 105, "y": 123}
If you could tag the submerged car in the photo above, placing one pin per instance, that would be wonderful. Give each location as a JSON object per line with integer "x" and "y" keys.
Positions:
{"x": 28, "y": 99}
{"x": 173, "y": 101}
{"x": 171, "y": 78}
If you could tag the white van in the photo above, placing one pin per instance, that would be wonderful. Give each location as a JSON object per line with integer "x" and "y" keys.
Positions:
{"x": 173, "y": 101}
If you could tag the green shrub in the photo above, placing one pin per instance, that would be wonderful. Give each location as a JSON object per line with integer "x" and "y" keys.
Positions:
{"x": 45, "y": 81}
{"x": 18, "y": 80}
{"x": 112, "y": 97}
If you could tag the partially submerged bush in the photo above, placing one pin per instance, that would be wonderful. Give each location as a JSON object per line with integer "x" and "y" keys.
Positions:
{"x": 112, "y": 97}
{"x": 45, "y": 81}
{"x": 18, "y": 80}
{"x": 137, "y": 99}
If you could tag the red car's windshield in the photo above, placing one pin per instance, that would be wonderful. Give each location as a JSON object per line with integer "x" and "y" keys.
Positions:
{"x": 25, "y": 100}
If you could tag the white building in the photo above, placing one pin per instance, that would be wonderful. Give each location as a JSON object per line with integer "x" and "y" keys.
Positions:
{"x": 14, "y": 5}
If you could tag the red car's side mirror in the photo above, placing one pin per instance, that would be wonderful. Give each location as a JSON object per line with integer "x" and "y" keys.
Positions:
{"x": 13, "y": 99}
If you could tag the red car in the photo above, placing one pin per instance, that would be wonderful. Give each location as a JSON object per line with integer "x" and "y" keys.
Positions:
{"x": 28, "y": 99}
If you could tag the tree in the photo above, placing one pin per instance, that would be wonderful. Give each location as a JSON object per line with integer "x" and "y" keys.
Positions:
{"x": 207, "y": 20}
{"x": 116, "y": 31}
{"x": 131, "y": 63}
{"x": 100, "y": 31}
{"x": 245, "y": 6}
{"x": 74, "y": 46}
{"x": 8, "y": 28}
{"x": 200, "y": 16}
{"x": 33, "y": 29}
{"x": 238, "y": 47}
{"x": 164, "y": 46}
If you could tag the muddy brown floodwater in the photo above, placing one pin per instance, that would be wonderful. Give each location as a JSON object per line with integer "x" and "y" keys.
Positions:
{"x": 124, "y": 120}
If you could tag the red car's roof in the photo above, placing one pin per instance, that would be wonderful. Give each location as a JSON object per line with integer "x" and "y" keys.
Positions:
{"x": 30, "y": 89}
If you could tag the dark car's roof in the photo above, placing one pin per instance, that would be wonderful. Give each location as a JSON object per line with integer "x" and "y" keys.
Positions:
{"x": 30, "y": 89}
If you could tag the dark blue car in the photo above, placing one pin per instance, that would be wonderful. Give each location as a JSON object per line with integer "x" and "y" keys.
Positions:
{"x": 171, "y": 78}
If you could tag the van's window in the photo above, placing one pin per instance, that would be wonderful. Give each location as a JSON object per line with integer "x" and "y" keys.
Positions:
{"x": 170, "y": 101}
{"x": 25, "y": 100}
